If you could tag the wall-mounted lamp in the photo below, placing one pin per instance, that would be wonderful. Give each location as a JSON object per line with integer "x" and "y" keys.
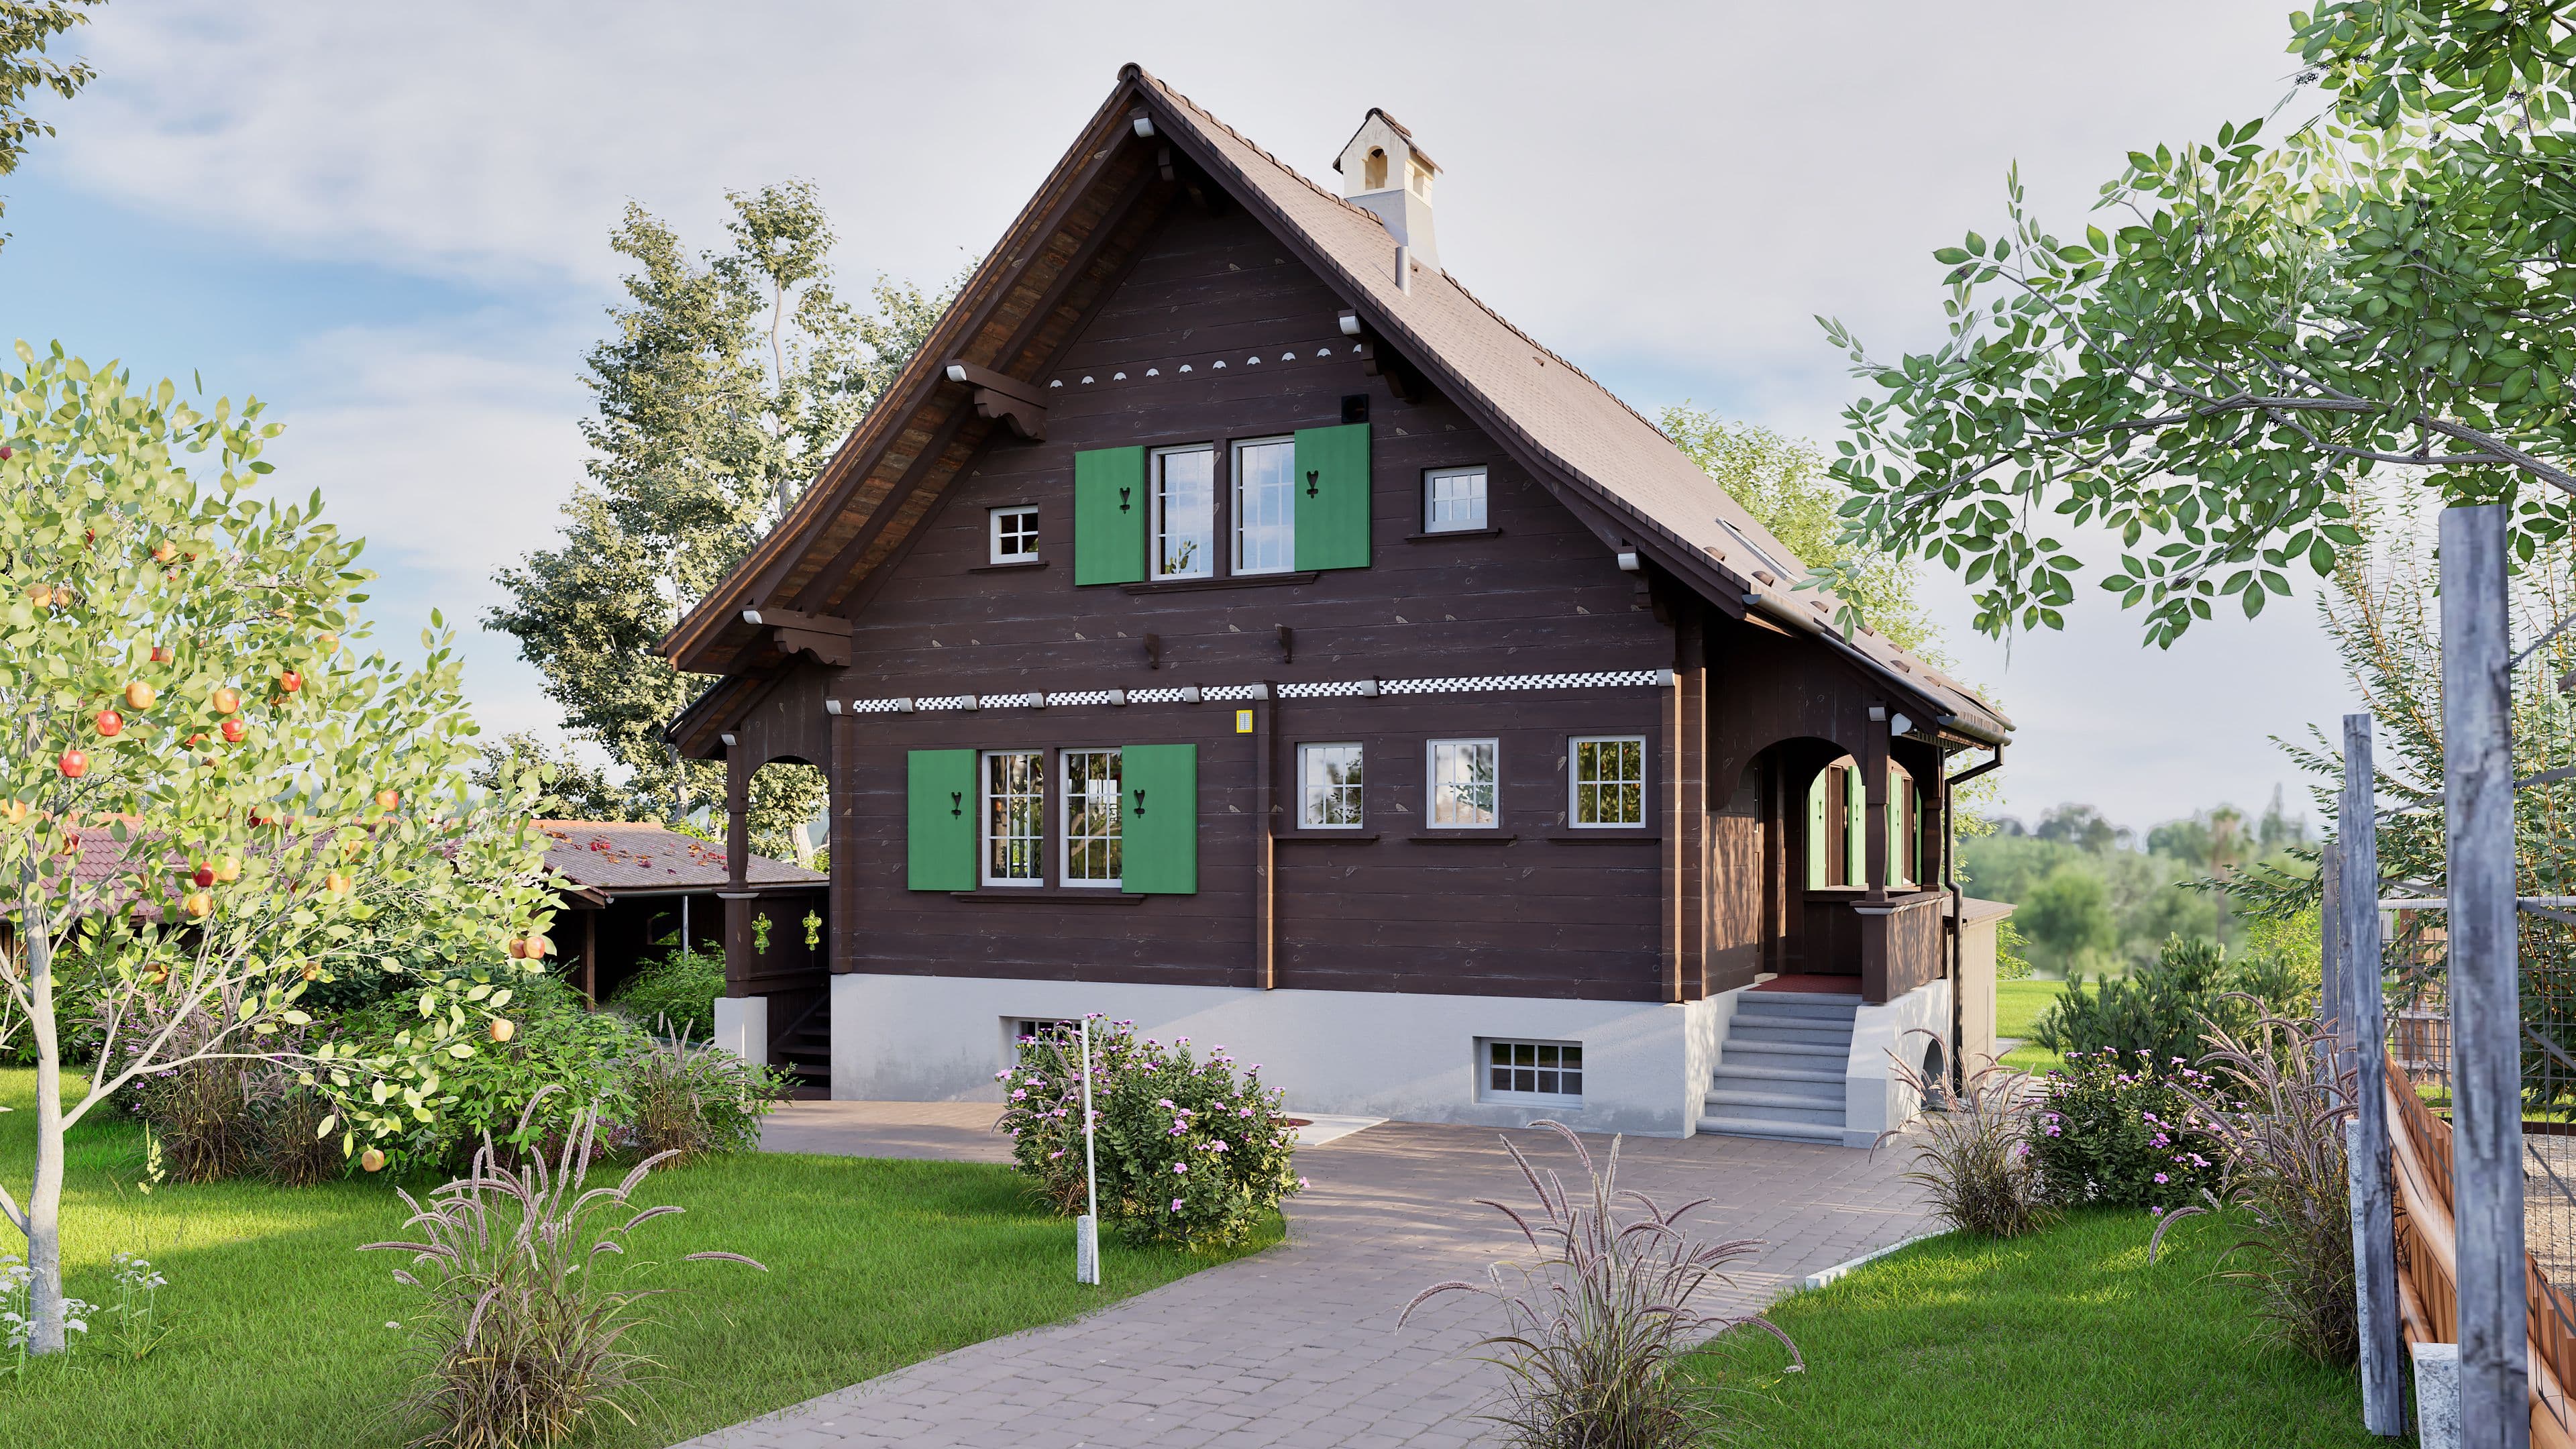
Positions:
{"x": 971, "y": 701}
{"x": 1628, "y": 562}
{"x": 728, "y": 740}
{"x": 1878, "y": 714}
{"x": 903, "y": 706}
{"x": 1366, "y": 689}
{"x": 831, "y": 706}
{"x": 1900, "y": 725}
{"x": 1117, "y": 696}
{"x": 751, "y": 616}
{"x": 1144, "y": 126}
{"x": 1350, "y": 324}
{"x": 1189, "y": 694}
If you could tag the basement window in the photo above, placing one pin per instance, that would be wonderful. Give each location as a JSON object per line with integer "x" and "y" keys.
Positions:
{"x": 1532, "y": 1073}
{"x": 1014, "y": 535}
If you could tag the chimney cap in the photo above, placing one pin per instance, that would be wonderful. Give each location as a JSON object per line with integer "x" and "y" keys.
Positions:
{"x": 1378, "y": 113}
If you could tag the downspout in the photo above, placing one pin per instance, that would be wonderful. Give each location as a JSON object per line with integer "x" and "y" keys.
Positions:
{"x": 1958, "y": 910}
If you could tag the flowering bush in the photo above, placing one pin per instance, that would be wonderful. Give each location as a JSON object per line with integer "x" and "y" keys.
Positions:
{"x": 1187, "y": 1151}
{"x": 2116, "y": 1129}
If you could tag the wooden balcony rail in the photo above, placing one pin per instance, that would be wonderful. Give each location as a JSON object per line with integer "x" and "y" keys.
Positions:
{"x": 1900, "y": 944}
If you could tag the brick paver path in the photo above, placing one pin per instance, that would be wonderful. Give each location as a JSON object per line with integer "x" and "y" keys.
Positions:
{"x": 1299, "y": 1346}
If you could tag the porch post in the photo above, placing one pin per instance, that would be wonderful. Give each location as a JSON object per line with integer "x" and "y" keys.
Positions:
{"x": 737, "y": 897}
{"x": 1873, "y": 773}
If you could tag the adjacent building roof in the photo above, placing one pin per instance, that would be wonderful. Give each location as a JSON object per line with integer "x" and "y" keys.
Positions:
{"x": 615, "y": 857}
{"x": 1614, "y": 468}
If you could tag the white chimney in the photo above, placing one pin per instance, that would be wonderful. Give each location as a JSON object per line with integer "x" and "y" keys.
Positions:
{"x": 1384, "y": 171}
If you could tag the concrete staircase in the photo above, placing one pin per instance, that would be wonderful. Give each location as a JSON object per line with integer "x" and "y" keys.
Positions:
{"x": 1780, "y": 1070}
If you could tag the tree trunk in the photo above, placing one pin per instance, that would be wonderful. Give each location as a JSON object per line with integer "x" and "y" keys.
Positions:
{"x": 45, "y": 1201}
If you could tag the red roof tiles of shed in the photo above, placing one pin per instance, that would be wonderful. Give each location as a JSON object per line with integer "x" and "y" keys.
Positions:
{"x": 628, "y": 855}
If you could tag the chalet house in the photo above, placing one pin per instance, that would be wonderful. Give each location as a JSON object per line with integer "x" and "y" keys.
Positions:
{"x": 1229, "y": 624}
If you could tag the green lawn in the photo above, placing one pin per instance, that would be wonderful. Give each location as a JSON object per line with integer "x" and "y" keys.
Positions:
{"x": 282, "y": 1335}
{"x": 2067, "y": 1338}
{"x": 2018, "y": 1004}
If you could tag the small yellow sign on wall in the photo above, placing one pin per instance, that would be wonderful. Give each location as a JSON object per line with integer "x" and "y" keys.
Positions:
{"x": 1243, "y": 721}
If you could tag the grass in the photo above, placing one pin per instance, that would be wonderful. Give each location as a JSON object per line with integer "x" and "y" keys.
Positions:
{"x": 282, "y": 1337}
{"x": 2066, "y": 1338}
{"x": 2018, "y": 1005}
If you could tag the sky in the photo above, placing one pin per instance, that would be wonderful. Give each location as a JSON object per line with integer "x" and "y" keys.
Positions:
{"x": 391, "y": 224}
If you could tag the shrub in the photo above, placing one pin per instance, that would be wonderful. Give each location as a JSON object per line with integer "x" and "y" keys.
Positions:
{"x": 555, "y": 1043}
{"x": 1597, "y": 1318}
{"x": 2116, "y": 1130}
{"x": 1187, "y": 1152}
{"x": 688, "y": 1100}
{"x": 2276, "y": 1111}
{"x": 2010, "y": 963}
{"x": 1973, "y": 1152}
{"x": 293, "y": 1150}
{"x": 205, "y": 1116}
{"x": 529, "y": 1305}
{"x": 2160, "y": 1009}
{"x": 681, "y": 987}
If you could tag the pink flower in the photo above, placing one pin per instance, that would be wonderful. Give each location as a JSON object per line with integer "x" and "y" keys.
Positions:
{"x": 1184, "y": 1167}
{"x": 2160, "y": 1177}
{"x": 1018, "y": 1095}
{"x": 1176, "y": 1204}
{"x": 1301, "y": 1184}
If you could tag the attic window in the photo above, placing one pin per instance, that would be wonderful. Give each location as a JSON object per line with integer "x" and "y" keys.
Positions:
{"x": 1373, "y": 170}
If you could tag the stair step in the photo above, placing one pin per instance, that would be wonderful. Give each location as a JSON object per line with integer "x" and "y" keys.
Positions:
{"x": 1804, "y": 1051}
{"x": 1829, "y": 1036}
{"x": 1776, "y": 1106}
{"x": 1723, "y": 1126}
{"x": 1755, "y": 1072}
{"x": 1837, "y": 1007}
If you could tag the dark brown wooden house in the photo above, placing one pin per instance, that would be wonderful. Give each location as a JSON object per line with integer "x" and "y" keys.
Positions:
{"x": 1230, "y": 624}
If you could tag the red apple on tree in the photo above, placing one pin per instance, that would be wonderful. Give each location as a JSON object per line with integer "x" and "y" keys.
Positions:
{"x": 290, "y": 681}
{"x": 109, "y": 722}
{"x": 162, "y": 654}
{"x": 387, "y": 799}
{"x": 205, "y": 875}
{"x": 235, "y": 730}
{"x": 73, "y": 764}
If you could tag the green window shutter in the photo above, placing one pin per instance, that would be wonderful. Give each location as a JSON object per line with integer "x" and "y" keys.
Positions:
{"x": 1820, "y": 836}
{"x": 1896, "y": 831}
{"x": 1856, "y": 826}
{"x": 941, "y": 808}
{"x": 1158, "y": 823}
{"x": 1109, "y": 511}
{"x": 1333, "y": 497}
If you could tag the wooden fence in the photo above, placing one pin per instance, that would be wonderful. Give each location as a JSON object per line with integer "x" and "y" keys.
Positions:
{"x": 2427, "y": 1264}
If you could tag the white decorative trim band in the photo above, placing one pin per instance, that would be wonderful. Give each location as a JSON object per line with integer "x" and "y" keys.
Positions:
{"x": 1226, "y": 693}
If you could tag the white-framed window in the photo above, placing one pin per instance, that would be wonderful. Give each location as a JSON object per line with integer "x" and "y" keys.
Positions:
{"x": 1538, "y": 1073}
{"x": 1091, "y": 817}
{"x": 1265, "y": 506}
{"x": 1461, "y": 787}
{"x": 1028, "y": 1028}
{"x": 1014, "y": 817}
{"x": 1184, "y": 519}
{"x": 1453, "y": 500}
{"x": 1328, "y": 787}
{"x": 1014, "y": 533}
{"x": 1608, "y": 774}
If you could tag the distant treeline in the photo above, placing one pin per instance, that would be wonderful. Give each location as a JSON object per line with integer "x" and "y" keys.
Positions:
{"x": 2095, "y": 898}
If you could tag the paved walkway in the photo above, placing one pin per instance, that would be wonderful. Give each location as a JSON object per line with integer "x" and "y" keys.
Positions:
{"x": 1299, "y": 1346}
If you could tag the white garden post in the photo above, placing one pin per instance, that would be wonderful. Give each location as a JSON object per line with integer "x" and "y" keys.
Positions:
{"x": 1086, "y": 1231}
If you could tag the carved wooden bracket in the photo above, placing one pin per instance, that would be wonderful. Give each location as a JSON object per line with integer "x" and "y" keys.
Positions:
{"x": 825, "y": 637}
{"x": 1002, "y": 399}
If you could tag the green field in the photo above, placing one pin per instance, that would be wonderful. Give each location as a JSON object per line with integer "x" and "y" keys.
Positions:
{"x": 2067, "y": 1338}
{"x": 2018, "y": 1004}
{"x": 283, "y": 1336}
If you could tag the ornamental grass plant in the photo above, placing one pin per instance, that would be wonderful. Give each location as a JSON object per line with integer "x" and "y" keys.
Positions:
{"x": 688, "y": 1099}
{"x": 2275, "y": 1107}
{"x": 1599, "y": 1317}
{"x": 1972, "y": 1150}
{"x": 531, "y": 1297}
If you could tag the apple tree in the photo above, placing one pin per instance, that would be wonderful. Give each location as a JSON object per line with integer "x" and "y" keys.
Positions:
{"x": 212, "y": 790}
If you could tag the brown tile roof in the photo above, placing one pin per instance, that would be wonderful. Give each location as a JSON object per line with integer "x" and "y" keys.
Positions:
{"x": 626, "y": 855}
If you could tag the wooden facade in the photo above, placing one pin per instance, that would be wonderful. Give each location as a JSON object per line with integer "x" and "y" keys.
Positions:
{"x": 1162, "y": 292}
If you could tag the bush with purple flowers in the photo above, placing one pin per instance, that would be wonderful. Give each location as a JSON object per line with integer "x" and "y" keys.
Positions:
{"x": 2115, "y": 1129}
{"x": 1189, "y": 1152}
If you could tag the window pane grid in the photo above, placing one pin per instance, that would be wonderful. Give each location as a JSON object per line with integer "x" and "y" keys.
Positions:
{"x": 1454, "y": 499}
{"x": 1534, "y": 1068}
{"x": 1610, "y": 781}
{"x": 1265, "y": 507}
{"x": 1091, "y": 817}
{"x": 1462, "y": 782}
{"x": 1014, "y": 817}
{"x": 1185, "y": 513}
{"x": 1015, "y": 534}
{"x": 1330, "y": 776}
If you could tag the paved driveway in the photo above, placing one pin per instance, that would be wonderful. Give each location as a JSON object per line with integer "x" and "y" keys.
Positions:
{"x": 1299, "y": 1346}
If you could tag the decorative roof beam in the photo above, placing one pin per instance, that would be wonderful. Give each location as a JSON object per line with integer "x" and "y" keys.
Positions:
{"x": 1002, "y": 399}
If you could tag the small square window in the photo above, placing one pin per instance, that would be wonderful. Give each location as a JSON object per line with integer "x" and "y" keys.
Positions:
{"x": 1609, "y": 779}
{"x": 1015, "y": 534}
{"x": 1453, "y": 500}
{"x": 1538, "y": 1073}
{"x": 1461, "y": 786}
{"x": 1329, "y": 787}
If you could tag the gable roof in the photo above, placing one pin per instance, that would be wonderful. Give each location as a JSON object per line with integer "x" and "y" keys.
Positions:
{"x": 1611, "y": 466}
{"x": 622, "y": 856}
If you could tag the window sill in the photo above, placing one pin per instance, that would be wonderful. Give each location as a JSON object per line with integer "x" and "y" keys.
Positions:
{"x": 1005, "y": 568}
{"x": 1105, "y": 896}
{"x": 1606, "y": 833}
{"x": 1531, "y": 1099}
{"x": 1449, "y": 533}
{"x": 1344, "y": 837}
{"x": 1244, "y": 581}
{"x": 1463, "y": 837}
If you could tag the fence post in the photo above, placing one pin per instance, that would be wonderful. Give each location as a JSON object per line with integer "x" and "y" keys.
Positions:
{"x": 2338, "y": 1022}
{"x": 2363, "y": 1005}
{"x": 2485, "y": 990}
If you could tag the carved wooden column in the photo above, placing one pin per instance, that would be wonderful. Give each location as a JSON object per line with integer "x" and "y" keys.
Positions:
{"x": 737, "y": 893}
